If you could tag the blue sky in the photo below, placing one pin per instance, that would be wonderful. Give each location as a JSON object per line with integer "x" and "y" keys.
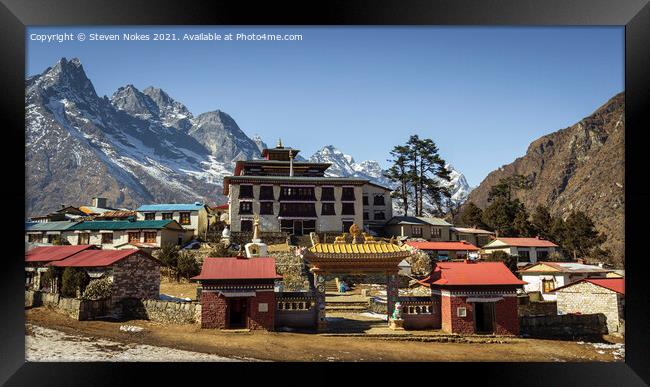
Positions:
{"x": 481, "y": 93}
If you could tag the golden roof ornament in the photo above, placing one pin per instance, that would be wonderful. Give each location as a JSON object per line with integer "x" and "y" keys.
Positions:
{"x": 279, "y": 146}
{"x": 356, "y": 233}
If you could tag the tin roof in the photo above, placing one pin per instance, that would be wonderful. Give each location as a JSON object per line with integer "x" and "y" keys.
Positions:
{"x": 49, "y": 226}
{"x": 96, "y": 225}
{"x": 564, "y": 267}
{"x": 116, "y": 214}
{"x": 469, "y": 230}
{"x": 170, "y": 207}
{"x": 524, "y": 242}
{"x": 614, "y": 284}
{"x": 471, "y": 274}
{"x": 454, "y": 246}
{"x": 418, "y": 220}
{"x": 96, "y": 258}
{"x": 54, "y": 253}
{"x": 237, "y": 268}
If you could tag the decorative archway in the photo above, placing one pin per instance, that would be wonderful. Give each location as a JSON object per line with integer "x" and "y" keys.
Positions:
{"x": 354, "y": 253}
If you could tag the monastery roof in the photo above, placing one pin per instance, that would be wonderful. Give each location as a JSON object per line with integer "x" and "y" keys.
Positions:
{"x": 454, "y": 246}
{"x": 521, "y": 242}
{"x": 355, "y": 248}
{"x": 563, "y": 267}
{"x": 54, "y": 253}
{"x": 237, "y": 268}
{"x": 614, "y": 284}
{"x": 471, "y": 274}
{"x": 97, "y": 258}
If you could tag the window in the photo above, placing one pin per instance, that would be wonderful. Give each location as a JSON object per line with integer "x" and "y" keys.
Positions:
{"x": 298, "y": 210}
{"x": 348, "y": 194}
{"x": 417, "y": 231}
{"x": 150, "y": 236}
{"x": 297, "y": 193}
{"x": 436, "y": 232}
{"x": 107, "y": 238}
{"x": 523, "y": 256}
{"x": 53, "y": 238}
{"x": 246, "y": 191}
{"x": 308, "y": 226}
{"x": 245, "y": 207}
{"x": 542, "y": 255}
{"x": 365, "y": 215}
{"x": 185, "y": 218}
{"x": 380, "y": 215}
{"x": 83, "y": 239}
{"x": 378, "y": 200}
{"x": 327, "y": 209}
{"x": 246, "y": 225}
{"x": 34, "y": 237}
{"x": 327, "y": 194}
{"x": 167, "y": 216}
{"x": 347, "y": 209}
{"x": 150, "y": 216}
{"x": 134, "y": 237}
{"x": 548, "y": 286}
{"x": 266, "y": 208}
{"x": 365, "y": 200}
{"x": 347, "y": 224}
{"x": 286, "y": 225}
{"x": 266, "y": 192}
{"x": 461, "y": 311}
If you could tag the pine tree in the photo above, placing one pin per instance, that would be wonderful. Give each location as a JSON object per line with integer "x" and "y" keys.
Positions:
{"x": 581, "y": 236}
{"x": 472, "y": 216}
{"x": 542, "y": 222}
{"x": 399, "y": 173}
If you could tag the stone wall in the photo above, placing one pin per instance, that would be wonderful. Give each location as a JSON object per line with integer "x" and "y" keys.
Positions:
{"x": 587, "y": 298}
{"x": 537, "y": 308}
{"x": 161, "y": 311}
{"x": 72, "y": 307}
{"x": 567, "y": 326}
{"x": 136, "y": 276}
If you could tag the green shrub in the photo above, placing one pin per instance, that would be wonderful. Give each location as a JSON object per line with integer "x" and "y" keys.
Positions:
{"x": 74, "y": 280}
{"x": 187, "y": 265}
{"x": 98, "y": 289}
{"x": 501, "y": 256}
{"x": 47, "y": 278}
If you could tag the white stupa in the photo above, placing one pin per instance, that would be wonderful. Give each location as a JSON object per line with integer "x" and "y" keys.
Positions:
{"x": 256, "y": 248}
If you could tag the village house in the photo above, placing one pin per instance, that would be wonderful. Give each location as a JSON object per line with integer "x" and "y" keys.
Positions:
{"x": 545, "y": 277}
{"x": 119, "y": 234}
{"x": 475, "y": 236}
{"x": 195, "y": 216}
{"x": 528, "y": 250}
{"x": 442, "y": 251}
{"x": 475, "y": 297}
{"x": 297, "y": 198}
{"x": 98, "y": 206}
{"x": 37, "y": 258}
{"x": 431, "y": 229}
{"x": 595, "y": 295}
{"x": 47, "y": 232}
{"x": 133, "y": 273}
{"x": 238, "y": 292}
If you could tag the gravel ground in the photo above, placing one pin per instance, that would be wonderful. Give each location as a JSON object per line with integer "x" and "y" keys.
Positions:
{"x": 44, "y": 344}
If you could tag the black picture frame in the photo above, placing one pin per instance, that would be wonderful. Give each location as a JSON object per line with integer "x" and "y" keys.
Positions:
{"x": 15, "y": 15}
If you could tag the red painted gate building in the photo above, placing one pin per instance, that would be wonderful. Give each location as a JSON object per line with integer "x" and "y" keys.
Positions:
{"x": 238, "y": 292}
{"x": 475, "y": 297}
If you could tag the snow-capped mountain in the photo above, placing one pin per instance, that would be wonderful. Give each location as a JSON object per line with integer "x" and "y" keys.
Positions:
{"x": 138, "y": 146}
{"x": 345, "y": 166}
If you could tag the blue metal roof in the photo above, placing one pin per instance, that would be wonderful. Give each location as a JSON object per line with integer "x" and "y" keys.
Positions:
{"x": 170, "y": 207}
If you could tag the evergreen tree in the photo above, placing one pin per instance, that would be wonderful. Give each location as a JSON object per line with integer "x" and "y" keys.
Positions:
{"x": 399, "y": 173}
{"x": 520, "y": 223}
{"x": 187, "y": 265}
{"x": 74, "y": 280}
{"x": 581, "y": 236}
{"x": 542, "y": 223}
{"x": 472, "y": 216}
{"x": 168, "y": 256}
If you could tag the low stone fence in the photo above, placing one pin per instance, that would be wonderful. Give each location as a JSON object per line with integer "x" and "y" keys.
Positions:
{"x": 73, "y": 307}
{"x": 563, "y": 326}
{"x": 295, "y": 310}
{"x": 161, "y": 311}
{"x": 378, "y": 305}
{"x": 537, "y": 308}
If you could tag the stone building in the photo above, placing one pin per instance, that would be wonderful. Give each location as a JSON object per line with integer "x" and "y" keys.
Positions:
{"x": 474, "y": 297}
{"x": 595, "y": 296}
{"x": 545, "y": 277}
{"x": 297, "y": 197}
{"x": 38, "y": 257}
{"x": 238, "y": 292}
{"x": 133, "y": 273}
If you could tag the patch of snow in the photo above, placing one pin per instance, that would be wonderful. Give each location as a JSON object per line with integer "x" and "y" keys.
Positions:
{"x": 165, "y": 297}
{"x": 130, "y": 328}
{"x": 375, "y": 315}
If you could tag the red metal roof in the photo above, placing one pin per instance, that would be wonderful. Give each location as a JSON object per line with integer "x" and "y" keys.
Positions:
{"x": 238, "y": 268}
{"x": 527, "y": 242}
{"x": 96, "y": 258}
{"x": 476, "y": 273}
{"x": 54, "y": 253}
{"x": 614, "y": 284}
{"x": 457, "y": 246}
{"x": 221, "y": 207}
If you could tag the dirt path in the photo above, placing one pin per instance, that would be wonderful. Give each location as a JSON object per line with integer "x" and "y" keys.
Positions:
{"x": 285, "y": 346}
